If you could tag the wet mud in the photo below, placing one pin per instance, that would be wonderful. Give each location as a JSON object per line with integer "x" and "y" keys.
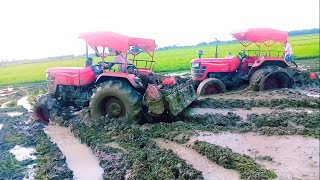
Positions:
{"x": 129, "y": 151}
{"x": 25, "y": 151}
{"x": 291, "y": 157}
{"x": 209, "y": 169}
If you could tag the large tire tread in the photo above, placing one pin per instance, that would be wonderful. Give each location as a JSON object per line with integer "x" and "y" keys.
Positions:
{"x": 121, "y": 90}
{"x": 258, "y": 79}
{"x": 50, "y": 104}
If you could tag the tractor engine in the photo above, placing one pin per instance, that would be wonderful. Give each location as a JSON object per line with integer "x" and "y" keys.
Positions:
{"x": 73, "y": 95}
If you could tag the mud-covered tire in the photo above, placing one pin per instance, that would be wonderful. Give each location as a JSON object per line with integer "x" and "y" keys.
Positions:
{"x": 125, "y": 101}
{"x": 211, "y": 86}
{"x": 271, "y": 77}
{"x": 46, "y": 108}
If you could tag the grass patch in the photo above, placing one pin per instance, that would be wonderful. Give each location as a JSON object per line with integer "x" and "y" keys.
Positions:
{"x": 225, "y": 157}
{"x": 10, "y": 167}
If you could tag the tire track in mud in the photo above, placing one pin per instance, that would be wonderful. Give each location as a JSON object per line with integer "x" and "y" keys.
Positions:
{"x": 79, "y": 157}
{"x": 210, "y": 170}
{"x": 291, "y": 157}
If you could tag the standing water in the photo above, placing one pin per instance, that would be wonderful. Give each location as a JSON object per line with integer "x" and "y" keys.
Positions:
{"x": 294, "y": 157}
{"x": 25, "y": 103}
{"x": 79, "y": 157}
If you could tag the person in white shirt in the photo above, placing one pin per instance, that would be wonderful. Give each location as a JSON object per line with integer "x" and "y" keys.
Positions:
{"x": 120, "y": 61}
{"x": 288, "y": 54}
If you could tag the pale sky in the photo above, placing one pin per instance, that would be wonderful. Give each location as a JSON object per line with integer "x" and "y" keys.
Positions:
{"x": 42, "y": 28}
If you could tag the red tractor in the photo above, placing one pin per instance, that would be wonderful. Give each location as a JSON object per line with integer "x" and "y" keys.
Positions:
{"x": 262, "y": 68}
{"x": 131, "y": 92}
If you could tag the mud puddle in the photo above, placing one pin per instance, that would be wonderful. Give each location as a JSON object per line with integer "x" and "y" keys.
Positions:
{"x": 5, "y": 105}
{"x": 210, "y": 170}
{"x": 79, "y": 157}
{"x": 243, "y": 113}
{"x": 23, "y": 153}
{"x": 1, "y": 125}
{"x": 13, "y": 114}
{"x": 293, "y": 157}
{"x": 25, "y": 103}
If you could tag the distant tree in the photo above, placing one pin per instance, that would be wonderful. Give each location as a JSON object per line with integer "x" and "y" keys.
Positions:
{"x": 304, "y": 32}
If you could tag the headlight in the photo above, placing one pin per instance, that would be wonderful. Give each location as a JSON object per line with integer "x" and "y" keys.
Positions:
{"x": 195, "y": 65}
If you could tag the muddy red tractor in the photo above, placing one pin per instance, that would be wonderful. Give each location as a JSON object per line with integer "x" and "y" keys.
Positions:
{"x": 133, "y": 94}
{"x": 262, "y": 68}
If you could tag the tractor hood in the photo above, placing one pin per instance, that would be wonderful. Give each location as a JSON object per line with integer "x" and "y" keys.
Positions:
{"x": 215, "y": 60}
{"x": 68, "y": 69}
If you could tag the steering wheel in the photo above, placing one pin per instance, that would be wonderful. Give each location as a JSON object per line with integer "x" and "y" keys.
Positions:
{"x": 242, "y": 55}
{"x": 134, "y": 70}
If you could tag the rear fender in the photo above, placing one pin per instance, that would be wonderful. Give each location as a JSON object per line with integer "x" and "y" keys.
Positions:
{"x": 260, "y": 63}
{"x": 132, "y": 79}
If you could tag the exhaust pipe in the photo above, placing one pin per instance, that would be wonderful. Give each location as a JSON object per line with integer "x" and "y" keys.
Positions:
{"x": 217, "y": 43}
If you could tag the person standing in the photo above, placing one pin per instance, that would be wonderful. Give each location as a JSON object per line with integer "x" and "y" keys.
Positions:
{"x": 288, "y": 54}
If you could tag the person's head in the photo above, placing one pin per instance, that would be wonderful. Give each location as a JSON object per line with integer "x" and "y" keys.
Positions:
{"x": 117, "y": 53}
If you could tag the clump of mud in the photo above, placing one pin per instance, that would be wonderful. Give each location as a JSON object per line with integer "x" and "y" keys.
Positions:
{"x": 225, "y": 157}
{"x": 279, "y": 123}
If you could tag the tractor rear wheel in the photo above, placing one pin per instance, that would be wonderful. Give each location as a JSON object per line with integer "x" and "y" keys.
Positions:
{"x": 271, "y": 77}
{"x": 116, "y": 99}
{"x": 46, "y": 108}
{"x": 211, "y": 86}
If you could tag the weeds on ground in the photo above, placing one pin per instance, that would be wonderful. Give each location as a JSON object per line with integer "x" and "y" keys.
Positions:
{"x": 225, "y": 157}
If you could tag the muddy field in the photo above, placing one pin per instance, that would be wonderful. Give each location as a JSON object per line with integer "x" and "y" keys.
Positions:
{"x": 238, "y": 135}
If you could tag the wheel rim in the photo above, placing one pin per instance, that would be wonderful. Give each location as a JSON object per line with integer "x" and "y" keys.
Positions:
{"x": 43, "y": 114}
{"x": 112, "y": 107}
{"x": 212, "y": 89}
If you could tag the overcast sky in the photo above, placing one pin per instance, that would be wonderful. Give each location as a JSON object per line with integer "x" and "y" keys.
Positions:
{"x": 41, "y": 28}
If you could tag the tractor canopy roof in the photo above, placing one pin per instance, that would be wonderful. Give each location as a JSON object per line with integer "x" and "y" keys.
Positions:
{"x": 259, "y": 35}
{"x": 117, "y": 42}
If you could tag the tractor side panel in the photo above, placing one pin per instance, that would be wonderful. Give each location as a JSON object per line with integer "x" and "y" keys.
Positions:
{"x": 131, "y": 78}
{"x": 267, "y": 62}
{"x": 270, "y": 61}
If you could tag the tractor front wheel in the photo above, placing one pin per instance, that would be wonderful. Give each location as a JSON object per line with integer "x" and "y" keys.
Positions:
{"x": 211, "y": 86}
{"x": 46, "y": 108}
{"x": 116, "y": 99}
